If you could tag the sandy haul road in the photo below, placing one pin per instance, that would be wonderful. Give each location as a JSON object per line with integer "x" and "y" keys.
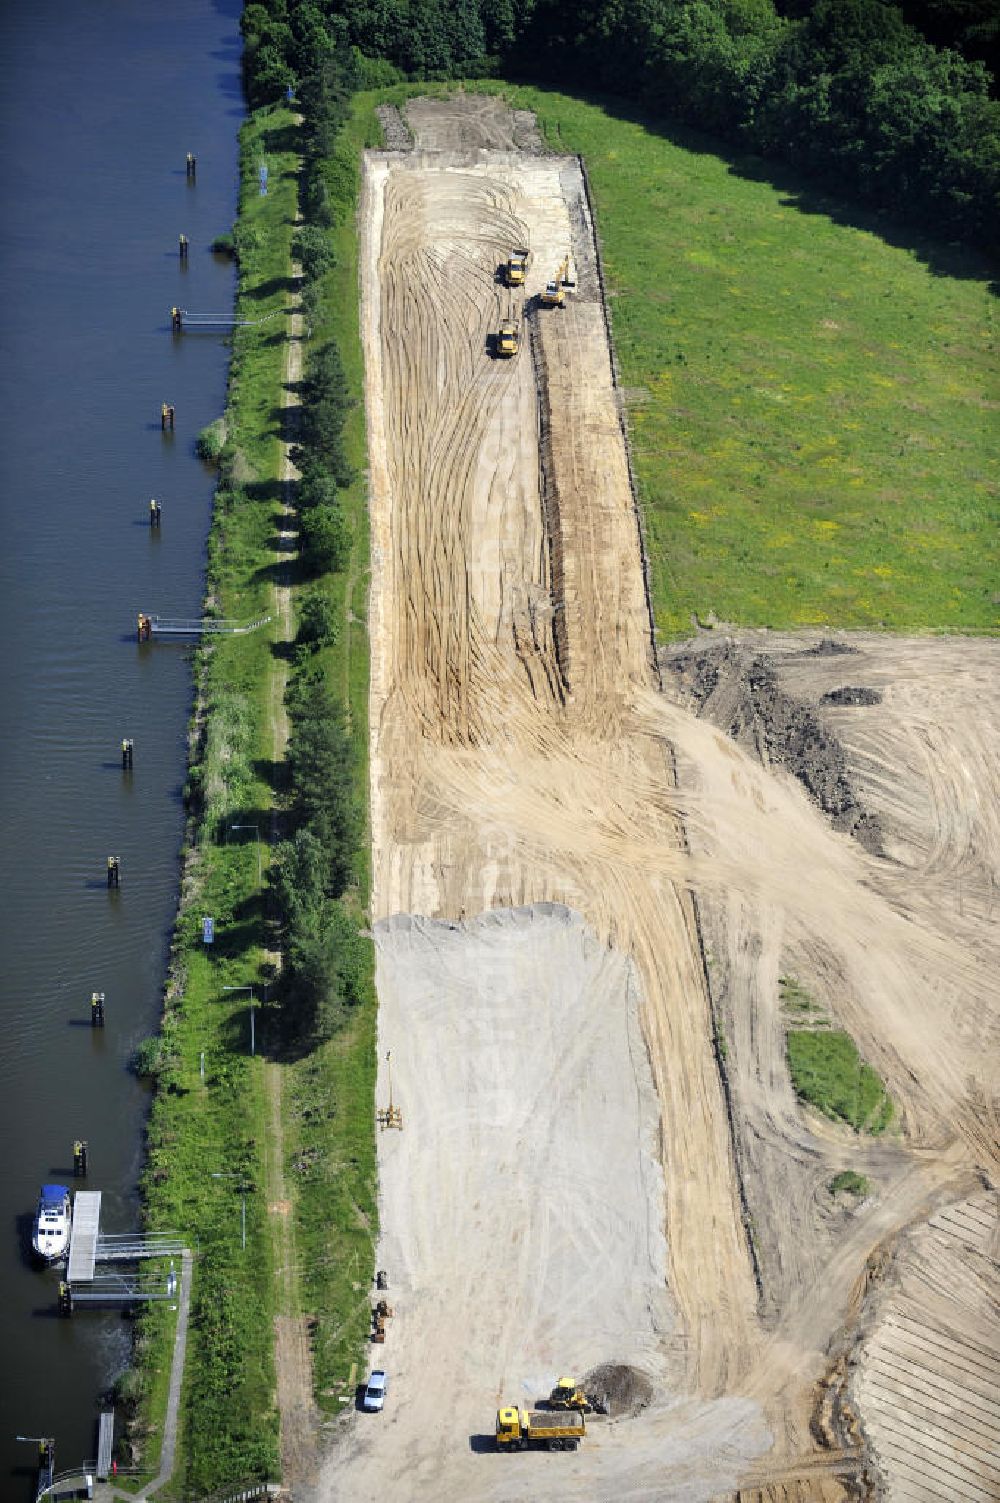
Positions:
{"x": 534, "y": 869}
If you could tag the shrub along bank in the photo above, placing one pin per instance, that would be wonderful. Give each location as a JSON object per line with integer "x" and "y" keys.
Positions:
{"x": 205, "y": 1170}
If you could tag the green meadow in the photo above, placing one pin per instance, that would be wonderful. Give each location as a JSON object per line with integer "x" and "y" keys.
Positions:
{"x": 830, "y": 1075}
{"x": 813, "y": 410}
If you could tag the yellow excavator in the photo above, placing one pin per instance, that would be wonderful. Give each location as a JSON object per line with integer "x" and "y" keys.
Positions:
{"x": 554, "y": 295}
{"x": 566, "y": 1395}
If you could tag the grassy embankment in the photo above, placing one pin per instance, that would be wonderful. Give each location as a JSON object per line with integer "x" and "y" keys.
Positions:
{"x": 812, "y": 408}
{"x": 332, "y": 1147}
{"x": 214, "y": 1123}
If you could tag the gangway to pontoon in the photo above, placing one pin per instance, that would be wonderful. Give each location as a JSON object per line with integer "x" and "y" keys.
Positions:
{"x": 181, "y": 320}
{"x": 149, "y": 628}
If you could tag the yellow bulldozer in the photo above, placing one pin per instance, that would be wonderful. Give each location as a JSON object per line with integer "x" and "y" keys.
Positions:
{"x": 566, "y": 1395}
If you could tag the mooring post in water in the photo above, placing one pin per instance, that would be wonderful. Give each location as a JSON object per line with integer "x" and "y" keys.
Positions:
{"x": 80, "y": 1158}
{"x": 191, "y": 164}
{"x": 182, "y": 247}
{"x": 128, "y": 747}
{"x": 65, "y": 1299}
{"x": 114, "y": 872}
{"x": 154, "y": 512}
{"x": 166, "y": 410}
{"x": 177, "y": 320}
{"x": 97, "y": 1006}
{"x": 46, "y": 1463}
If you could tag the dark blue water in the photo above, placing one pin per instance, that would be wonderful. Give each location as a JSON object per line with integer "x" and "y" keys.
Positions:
{"x": 99, "y": 103}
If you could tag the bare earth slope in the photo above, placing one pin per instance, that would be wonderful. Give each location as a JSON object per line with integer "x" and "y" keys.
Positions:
{"x": 544, "y": 822}
{"x": 902, "y": 950}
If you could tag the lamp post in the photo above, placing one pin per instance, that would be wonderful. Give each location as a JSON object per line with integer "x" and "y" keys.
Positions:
{"x": 221, "y": 1174}
{"x": 256, "y": 830}
{"x": 252, "y": 1006}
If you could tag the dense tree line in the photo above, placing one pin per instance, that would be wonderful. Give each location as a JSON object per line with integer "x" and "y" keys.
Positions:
{"x": 322, "y": 459}
{"x": 324, "y": 971}
{"x": 848, "y": 90}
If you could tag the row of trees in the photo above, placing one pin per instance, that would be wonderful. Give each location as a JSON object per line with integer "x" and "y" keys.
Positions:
{"x": 325, "y": 964}
{"x": 846, "y": 89}
{"x": 326, "y": 969}
{"x": 322, "y": 459}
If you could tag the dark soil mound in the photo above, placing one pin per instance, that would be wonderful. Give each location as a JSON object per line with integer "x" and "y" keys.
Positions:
{"x": 395, "y": 132}
{"x": 614, "y": 1388}
{"x": 739, "y": 692}
{"x": 850, "y": 695}
{"x": 828, "y": 648}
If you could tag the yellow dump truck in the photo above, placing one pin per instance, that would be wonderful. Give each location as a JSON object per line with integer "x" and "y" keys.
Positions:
{"x": 507, "y": 338}
{"x": 519, "y": 1429}
{"x": 516, "y": 268}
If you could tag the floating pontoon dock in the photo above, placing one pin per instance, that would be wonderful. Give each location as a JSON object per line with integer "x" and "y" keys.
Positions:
{"x": 83, "y": 1237}
{"x": 88, "y": 1247}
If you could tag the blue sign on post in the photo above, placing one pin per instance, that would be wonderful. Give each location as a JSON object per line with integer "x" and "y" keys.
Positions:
{"x": 262, "y": 175}
{"x": 207, "y": 930}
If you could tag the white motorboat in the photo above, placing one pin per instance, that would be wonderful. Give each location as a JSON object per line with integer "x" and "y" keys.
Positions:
{"x": 53, "y": 1219}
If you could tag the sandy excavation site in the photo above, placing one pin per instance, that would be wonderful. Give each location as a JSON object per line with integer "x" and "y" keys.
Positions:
{"x": 591, "y": 867}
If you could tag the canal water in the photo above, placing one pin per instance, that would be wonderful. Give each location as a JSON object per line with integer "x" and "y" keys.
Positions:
{"x": 99, "y": 104}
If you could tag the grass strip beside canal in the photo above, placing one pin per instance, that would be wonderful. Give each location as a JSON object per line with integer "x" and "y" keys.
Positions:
{"x": 329, "y": 1129}
{"x": 206, "y": 1172}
